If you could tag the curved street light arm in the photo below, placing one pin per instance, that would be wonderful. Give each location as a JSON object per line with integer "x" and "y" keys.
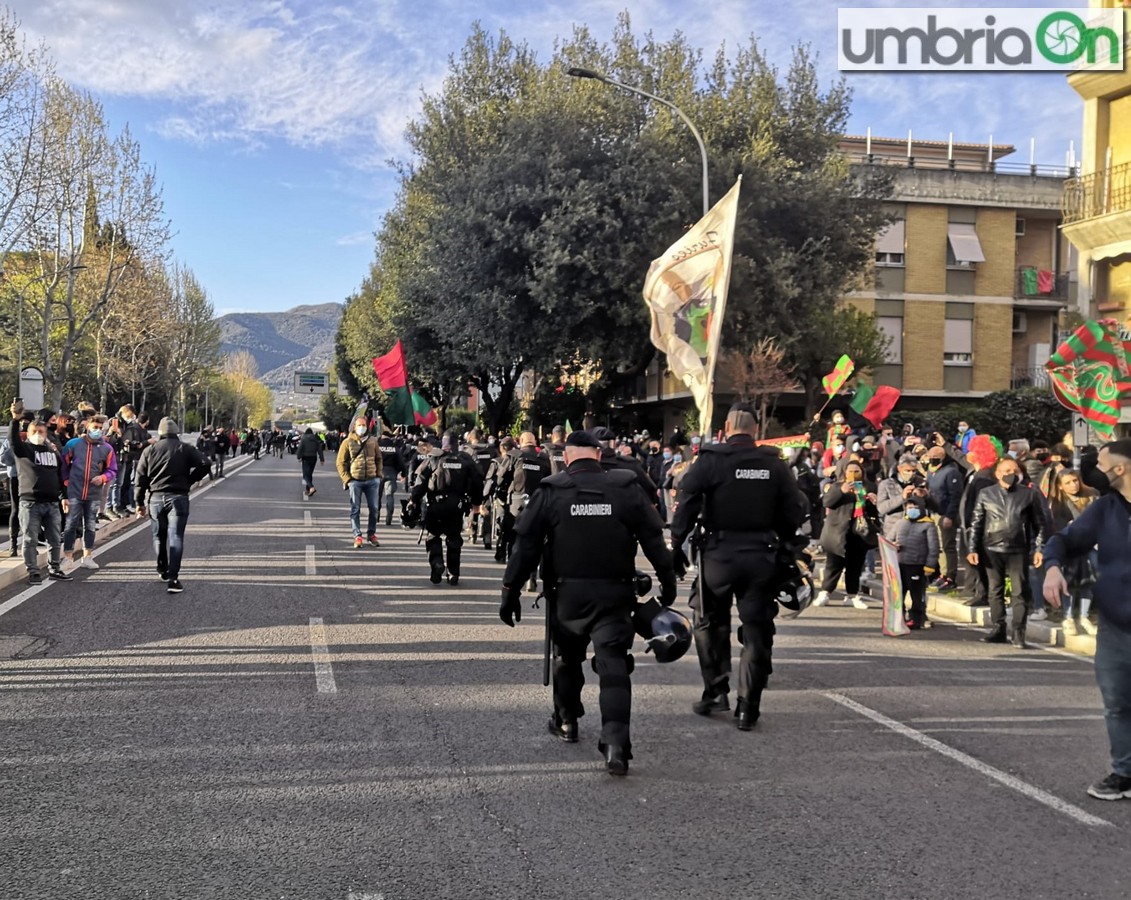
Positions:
{"x": 589, "y": 73}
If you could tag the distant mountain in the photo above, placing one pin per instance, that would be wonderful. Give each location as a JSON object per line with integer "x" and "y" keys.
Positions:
{"x": 282, "y": 343}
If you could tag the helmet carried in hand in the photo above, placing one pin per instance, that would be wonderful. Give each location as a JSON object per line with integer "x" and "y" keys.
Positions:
{"x": 666, "y": 632}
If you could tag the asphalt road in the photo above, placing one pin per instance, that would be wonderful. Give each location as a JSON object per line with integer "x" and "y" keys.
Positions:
{"x": 315, "y": 722}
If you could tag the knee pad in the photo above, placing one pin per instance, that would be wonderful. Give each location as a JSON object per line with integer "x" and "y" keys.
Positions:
{"x": 629, "y": 661}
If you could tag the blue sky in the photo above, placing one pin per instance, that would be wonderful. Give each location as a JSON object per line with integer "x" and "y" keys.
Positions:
{"x": 270, "y": 122}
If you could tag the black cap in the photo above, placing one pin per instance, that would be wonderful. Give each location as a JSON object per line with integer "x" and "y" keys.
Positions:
{"x": 583, "y": 439}
{"x": 600, "y": 433}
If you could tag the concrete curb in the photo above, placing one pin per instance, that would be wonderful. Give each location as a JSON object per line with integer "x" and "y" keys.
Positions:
{"x": 12, "y": 570}
{"x": 949, "y": 608}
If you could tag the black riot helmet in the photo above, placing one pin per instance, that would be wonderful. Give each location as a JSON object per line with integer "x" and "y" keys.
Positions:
{"x": 666, "y": 632}
{"x": 410, "y": 514}
{"x": 794, "y": 585}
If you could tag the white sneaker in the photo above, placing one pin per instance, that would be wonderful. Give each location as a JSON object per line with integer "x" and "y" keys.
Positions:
{"x": 822, "y": 599}
{"x": 88, "y": 563}
{"x": 69, "y": 564}
{"x": 1040, "y": 615}
{"x": 856, "y": 601}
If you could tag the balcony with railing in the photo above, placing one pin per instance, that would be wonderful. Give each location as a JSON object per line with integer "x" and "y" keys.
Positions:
{"x": 1040, "y": 286}
{"x": 1029, "y": 376}
{"x": 1097, "y": 194}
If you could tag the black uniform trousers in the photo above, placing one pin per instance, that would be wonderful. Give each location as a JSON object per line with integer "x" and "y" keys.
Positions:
{"x": 597, "y": 611}
{"x": 743, "y": 574}
{"x": 443, "y": 519}
{"x": 504, "y": 528}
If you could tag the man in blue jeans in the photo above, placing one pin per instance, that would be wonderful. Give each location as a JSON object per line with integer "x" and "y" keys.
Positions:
{"x": 360, "y": 468}
{"x": 166, "y": 472}
{"x": 1106, "y": 525}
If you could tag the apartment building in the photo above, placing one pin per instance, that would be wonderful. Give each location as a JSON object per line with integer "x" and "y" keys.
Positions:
{"x": 1097, "y": 203}
{"x": 970, "y": 280}
{"x": 972, "y": 276}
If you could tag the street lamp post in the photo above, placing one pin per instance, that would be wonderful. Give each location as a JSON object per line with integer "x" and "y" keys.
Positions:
{"x": 597, "y": 76}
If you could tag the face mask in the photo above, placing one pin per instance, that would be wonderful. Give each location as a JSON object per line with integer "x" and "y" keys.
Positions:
{"x": 856, "y": 448}
{"x": 695, "y": 442}
{"x": 838, "y": 451}
{"x": 962, "y": 429}
{"x": 933, "y": 464}
{"x": 1111, "y": 477}
{"x": 362, "y": 430}
{"x": 38, "y": 439}
{"x": 677, "y": 458}
{"x": 838, "y": 420}
{"x": 667, "y": 456}
{"x": 94, "y": 433}
{"x": 1010, "y": 480}
{"x": 1012, "y": 454}
{"x": 914, "y": 513}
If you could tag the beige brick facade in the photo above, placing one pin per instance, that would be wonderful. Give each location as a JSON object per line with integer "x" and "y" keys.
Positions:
{"x": 926, "y": 246}
{"x": 993, "y": 323}
{"x": 997, "y": 233}
{"x": 923, "y": 322}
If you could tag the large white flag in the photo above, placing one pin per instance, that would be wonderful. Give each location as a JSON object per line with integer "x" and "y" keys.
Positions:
{"x": 686, "y": 292}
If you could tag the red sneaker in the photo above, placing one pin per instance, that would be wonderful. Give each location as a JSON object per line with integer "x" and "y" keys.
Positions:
{"x": 373, "y": 540}
{"x": 358, "y": 542}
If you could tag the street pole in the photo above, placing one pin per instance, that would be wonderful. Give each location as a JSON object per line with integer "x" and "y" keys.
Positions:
{"x": 605, "y": 79}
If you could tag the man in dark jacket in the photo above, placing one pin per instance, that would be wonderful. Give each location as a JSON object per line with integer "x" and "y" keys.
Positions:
{"x": 611, "y": 460}
{"x": 1007, "y": 516}
{"x": 944, "y": 488}
{"x": 310, "y": 451}
{"x": 1106, "y": 525}
{"x": 166, "y": 472}
{"x": 41, "y": 488}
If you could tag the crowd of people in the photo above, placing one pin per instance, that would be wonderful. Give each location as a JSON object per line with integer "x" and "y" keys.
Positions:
{"x": 1037, "y": 523}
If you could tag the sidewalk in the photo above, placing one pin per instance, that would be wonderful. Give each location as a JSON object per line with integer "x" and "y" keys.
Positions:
{"x": 950, "y": 608}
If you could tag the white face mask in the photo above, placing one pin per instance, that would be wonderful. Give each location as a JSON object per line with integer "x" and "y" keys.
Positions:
{"x": 362, "y": 430}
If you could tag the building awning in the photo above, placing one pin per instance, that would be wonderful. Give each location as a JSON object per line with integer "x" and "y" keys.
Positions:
{"x": 890, "y": 240}
{"x": 964, "y": 242}
{"x": 1113, "y": 252}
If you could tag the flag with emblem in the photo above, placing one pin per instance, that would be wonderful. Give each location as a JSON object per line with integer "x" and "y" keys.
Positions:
{"x": 686, "y": 293}
{"x": 1089, "y": 373}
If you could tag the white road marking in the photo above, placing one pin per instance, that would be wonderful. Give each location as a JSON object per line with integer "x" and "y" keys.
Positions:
{"x": 307, "y": 519}
{"x": 364, "y": 895}
{"x": 310, "y": 567}
{"x": 1028, "y": 790}
{"x": 320, "y": 652}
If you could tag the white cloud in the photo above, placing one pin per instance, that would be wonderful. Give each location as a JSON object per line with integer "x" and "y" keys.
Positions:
{"x": 350, "y": 75}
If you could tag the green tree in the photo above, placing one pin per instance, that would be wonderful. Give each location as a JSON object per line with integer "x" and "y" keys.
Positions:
{"x": 336, "y": 411}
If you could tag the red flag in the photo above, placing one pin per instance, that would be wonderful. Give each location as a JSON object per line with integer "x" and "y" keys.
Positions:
{"x": 879, "y": 405}
{"x": 392, "y": 377}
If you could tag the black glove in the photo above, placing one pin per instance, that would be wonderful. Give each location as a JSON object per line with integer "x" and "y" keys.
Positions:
{"x": 510, "y": 610}
{"x": 667, "y": 589}
{"x": 680, "y": 562}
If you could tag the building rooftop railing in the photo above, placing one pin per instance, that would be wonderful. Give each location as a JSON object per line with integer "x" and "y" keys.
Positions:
{"x": 1098, "y": 194}
{"x": 1031, "y": 376}
{"x": 964, "y": 165}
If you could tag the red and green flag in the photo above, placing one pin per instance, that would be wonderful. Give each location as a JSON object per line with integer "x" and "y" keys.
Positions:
{"x": 1089, "y": 373}
{"x": 875, "y": 403}
{"x": 840, "y": 374}
{"x": 402, "y": 406}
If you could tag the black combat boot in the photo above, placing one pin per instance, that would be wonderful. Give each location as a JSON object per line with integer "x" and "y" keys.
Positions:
{"x": 746, "y": 713}
{"x": 562, "y": 730}
{"x": 996, "y": 635}
{"x": 616, "y": 759}
{"x": 711, "y": 703}
{"x": 1018, "y": 639}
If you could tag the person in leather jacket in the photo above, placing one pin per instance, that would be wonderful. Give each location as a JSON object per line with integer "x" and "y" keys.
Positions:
{"x": 1007, "y": 518}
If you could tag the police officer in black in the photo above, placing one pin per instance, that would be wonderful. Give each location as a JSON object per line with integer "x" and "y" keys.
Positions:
{"x": 495, "y": 491}
{"x": 392, "y": 470}
{"x": 530, "y": 467}
{"x": 610, "y": 461}
{"x": 585, "y": 524}
{"x": 479, "y": 522}
{"x": 451, "y": 481}
{"x": 750, "y": 509}
{"x": 556, "y": 450}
